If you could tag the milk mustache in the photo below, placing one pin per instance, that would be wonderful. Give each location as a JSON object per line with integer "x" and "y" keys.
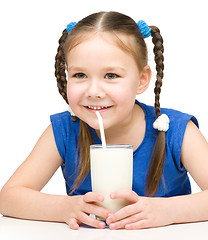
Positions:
{"x": 111, "y": 170}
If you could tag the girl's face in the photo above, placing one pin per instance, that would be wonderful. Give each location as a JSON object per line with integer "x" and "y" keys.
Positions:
{"x": 102, "y": 77}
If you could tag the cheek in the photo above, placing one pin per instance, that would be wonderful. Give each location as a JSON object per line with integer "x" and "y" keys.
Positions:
{"x": 124, "y": 93}
{"x": 73, "y": 93}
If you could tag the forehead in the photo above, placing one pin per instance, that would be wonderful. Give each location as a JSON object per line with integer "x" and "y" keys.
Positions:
{"x": 103, "y": 43}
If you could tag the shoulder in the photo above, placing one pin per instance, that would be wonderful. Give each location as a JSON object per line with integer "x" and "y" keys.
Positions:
{"x": 176, "y": 117}
{"x": 179, "y": 123}
{"x": 60, "y": 123}
{"x": 63, "y": 116}
{"x": 182, "y": 138}
{"x": 64, "y": 130}
{"x": 63, "y": 119}
{"x": 177, "y": 126}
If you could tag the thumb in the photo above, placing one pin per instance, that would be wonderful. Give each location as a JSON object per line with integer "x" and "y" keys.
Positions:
{"x": 127, "y": 194}
{"x": 73, "y": 223}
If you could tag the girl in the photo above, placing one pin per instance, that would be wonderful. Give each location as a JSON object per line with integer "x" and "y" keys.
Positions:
{"x": 105, "y": 58}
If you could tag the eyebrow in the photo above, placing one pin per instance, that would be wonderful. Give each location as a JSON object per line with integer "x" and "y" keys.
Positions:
{"x": 113, "y": 68}
{"x": 75, "y": 68}
{"x": 107, "y": 69}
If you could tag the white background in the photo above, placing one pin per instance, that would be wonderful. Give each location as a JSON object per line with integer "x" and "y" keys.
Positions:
{"x": 29, "y": 33}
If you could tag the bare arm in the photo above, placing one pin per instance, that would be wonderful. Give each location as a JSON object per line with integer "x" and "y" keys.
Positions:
{"x": 145, "y": 212}
{"x": 194, "y": 156}
{"x": 21, "y": 196}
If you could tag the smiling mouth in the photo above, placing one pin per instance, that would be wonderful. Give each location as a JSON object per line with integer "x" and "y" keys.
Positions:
{"x": 98, "y": 107}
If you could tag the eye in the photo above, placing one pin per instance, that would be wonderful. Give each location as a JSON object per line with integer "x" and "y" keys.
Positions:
{"x": 79, "y": 75}
{"x": 111, "y": 76}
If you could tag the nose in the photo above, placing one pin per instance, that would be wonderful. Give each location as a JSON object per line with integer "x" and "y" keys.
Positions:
{"x": 95, "y": 89}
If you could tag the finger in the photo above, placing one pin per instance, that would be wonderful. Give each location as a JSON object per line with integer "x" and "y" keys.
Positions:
{"x": 138, "y": 225}
{"x": 96, "y": 210}
{"x": 129, "y": 220}
{"x": 123, "y": 213}
{"x": 93, "y": 197}
{"x": 86, "y": 219}
{"x": 129, "y": 195}
{"x": 73, "y": 223}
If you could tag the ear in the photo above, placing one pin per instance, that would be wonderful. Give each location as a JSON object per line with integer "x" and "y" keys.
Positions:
{"x": 144, "y": 80}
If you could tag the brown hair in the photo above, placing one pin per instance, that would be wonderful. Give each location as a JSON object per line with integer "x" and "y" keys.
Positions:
{"x": 114, "y": 22}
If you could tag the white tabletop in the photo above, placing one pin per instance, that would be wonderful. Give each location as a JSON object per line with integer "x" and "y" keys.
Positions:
{"x": 13, "y": 229}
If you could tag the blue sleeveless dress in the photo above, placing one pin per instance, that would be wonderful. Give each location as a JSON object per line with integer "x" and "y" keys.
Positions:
{"x": 175, "y": 180}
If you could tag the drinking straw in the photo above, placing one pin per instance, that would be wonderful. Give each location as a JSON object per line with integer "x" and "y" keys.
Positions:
{"x": 102, "y": 133}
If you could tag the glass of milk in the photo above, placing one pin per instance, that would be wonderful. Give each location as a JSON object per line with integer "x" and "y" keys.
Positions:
{"x": 111, "y": 170}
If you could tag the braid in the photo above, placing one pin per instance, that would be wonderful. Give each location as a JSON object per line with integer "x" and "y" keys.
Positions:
{"x": 159, "y": 58}
{"x": 60, "y": 66}
{"x": 85, "y": 136}
{"x": 158, "y": 156}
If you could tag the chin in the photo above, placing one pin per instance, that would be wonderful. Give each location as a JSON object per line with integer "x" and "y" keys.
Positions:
{"x": 96, "y": 126}
{"x": 93, "y": 124}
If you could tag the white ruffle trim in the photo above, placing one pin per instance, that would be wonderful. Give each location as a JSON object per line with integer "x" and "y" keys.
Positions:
{"x": 162, "y": 123}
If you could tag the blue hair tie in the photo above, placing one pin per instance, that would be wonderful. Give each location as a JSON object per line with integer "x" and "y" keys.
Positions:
{"x": 70, "y": 26}
{"x": 144, "y": 28}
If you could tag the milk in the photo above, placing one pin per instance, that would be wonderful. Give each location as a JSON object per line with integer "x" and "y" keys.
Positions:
{"x": 111, "y": 170}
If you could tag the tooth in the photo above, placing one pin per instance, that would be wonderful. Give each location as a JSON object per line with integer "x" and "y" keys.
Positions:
{"x": 97, "y": 108}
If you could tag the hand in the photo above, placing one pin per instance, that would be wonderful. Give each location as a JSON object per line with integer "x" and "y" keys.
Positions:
{"x": 81, "y": 206}
{"x": 143, "y": 212}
